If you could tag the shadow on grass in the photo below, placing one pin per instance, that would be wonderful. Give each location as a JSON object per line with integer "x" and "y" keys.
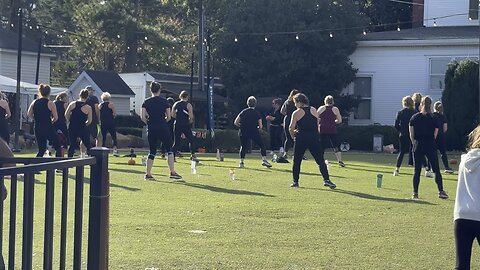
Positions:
{"x": 373, "y": 197}
{"x": 128, "y": 171}
{"x": 305, "y": 173}
{"x": 87, "y": 181}
{"x": 236, "y": 167}
{"x": 221, "y": 190}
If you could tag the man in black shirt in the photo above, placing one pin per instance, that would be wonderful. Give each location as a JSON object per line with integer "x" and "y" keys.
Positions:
{"x": 249, "y": 121}
{"x": 275, "y": 118}
{"x": 92, "y": 100}
{"x": 156, "y": 113}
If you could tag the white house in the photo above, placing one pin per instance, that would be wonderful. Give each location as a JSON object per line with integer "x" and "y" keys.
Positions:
{"x": 104, "y": 81}
{"x": 8, "y": 58}
{"x": 394, "y": 64}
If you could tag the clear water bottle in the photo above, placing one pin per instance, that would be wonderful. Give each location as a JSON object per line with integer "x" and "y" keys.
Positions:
{"x": 231, "y": 172}
{"x": 193, "y": 167}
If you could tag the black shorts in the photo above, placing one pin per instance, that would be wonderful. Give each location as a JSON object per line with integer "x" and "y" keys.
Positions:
{"x": 330, "y": 141}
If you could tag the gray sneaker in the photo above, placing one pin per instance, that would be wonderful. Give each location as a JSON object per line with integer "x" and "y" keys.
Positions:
{"x": 266, "y": 164}
{"x": 330, "y": 184}
{"x": 241, "y": 165}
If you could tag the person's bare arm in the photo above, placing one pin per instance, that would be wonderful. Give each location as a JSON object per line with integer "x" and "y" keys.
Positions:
{"x": 283, "y": 110}
{"x": 336, "y": 111}
{"x": 168, "y": 114}
{"x": 293, "y": 124}
{"x": 445, "y": 127}
{"x": 411, "y": 130}
{"x": 68, "y": 112}
{"x": 88, "y": 110}
{"x": 97, "y": 111}
{"x": 30, "y": 110}
{"x": 8, "y": 114}
{"x": 144, "y": 115}
{"x": 190, "y": 113}
{"x": 53, "y": 110}
{"x": 435, "y": 133}
{"x": 237, "y": 121}
{"x": 113, "y": 108}
{"x": 260, "y": 124}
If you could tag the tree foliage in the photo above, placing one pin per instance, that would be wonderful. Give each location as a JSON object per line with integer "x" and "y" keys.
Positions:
{"x": 461, "y": 101}
{"x": 315, "y": 63}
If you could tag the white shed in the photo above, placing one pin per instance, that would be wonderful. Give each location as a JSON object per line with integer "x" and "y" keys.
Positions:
{"x": 104, "y": 81}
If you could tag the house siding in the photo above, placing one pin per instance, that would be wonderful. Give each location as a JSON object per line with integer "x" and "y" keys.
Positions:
{"x": 8, "y": 67}
{"x": 440, "y": 8}
{"x": 399, "y": 71}
{"x": 122, "y": 104}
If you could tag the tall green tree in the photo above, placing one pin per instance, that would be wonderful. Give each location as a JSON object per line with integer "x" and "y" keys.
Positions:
{"x": 460, "y": 101}
{"x": 386, "y": 15}
{"x": 317, "y": 63}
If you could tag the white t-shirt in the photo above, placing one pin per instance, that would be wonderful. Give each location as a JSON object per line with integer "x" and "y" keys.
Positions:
{"x": 467, "y": 203}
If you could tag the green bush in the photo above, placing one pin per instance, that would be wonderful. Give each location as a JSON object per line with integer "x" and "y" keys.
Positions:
{"x": 460, "y": 102}
{"x": 361, "y": 137}
{"x": 132, "y": 121}
{"x": 130, "y": 131}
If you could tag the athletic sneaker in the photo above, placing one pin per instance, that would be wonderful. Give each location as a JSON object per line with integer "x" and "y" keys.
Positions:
{"x": 341, "y": 163}
{"x": 442, "y": 195}
{"x": 266, "y": 164}
{"x": 330, "y": 184}
{"x": 396, "y": 173}
{"x": 115, "y": 153}
{"x": 178, "y": 154}
{"x": 294, "y": 184}
{"x": 148, "y": 177}
{"x": 448, "y": 170}
{"x": 428, "y": 173}
{"x": 194, "y": 158}
{"x": 163, "y": 156}
{"x": 241, "y": 165}
{"x": 415, "y": 196}
{"x": 175, "y": 175}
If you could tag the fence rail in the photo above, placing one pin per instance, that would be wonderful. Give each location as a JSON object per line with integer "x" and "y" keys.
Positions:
{"x": 98, "y": 208}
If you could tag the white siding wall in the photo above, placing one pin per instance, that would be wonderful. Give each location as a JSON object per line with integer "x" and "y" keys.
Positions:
{"x": 440, "y": 8}
{"x": 136, "y": 82}
{"x": 397, "y": 72}
{"x": 74, "y": 89}
{"x": 122, "y": 104}
{"x": 8, "y": 66}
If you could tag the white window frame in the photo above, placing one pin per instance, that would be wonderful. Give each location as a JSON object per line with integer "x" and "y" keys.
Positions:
{"x": 349, "y": 90}
{"x": 438, "y": 91}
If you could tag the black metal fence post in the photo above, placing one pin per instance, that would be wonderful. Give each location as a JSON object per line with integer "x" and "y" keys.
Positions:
{"x": 98, "y": 227}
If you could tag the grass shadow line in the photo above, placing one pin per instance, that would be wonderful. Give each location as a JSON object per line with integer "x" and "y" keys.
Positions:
{"x": 220, "y": 189}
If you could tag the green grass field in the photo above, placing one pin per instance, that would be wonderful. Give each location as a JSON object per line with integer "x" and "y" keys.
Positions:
{"x": 259, "y": 222}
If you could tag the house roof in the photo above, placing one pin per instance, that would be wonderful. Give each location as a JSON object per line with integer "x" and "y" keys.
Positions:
{"x": 110, "y": 81}
{"x": 179, "y": 78}
{"x": 425, "y": 33}
{"x": 9, "y": 40}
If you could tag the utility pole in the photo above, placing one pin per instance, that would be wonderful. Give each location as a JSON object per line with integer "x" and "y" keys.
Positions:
{"x": 18, "y": 119}
{"x": 39, "y": 52}
{"x": 201, "y": 48}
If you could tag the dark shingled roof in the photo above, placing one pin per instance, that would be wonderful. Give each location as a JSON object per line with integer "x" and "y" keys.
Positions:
{"x": 111, "y": 82}
{"x": 9, "y": 40}
{"x": 426, "y": 33}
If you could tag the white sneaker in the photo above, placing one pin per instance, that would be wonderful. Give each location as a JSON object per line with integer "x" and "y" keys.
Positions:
{"x": 396, "y": 173}
{"x": 241, "y": 165}
{"x": 115, "y": 153}
{"x": 428, "y": 174}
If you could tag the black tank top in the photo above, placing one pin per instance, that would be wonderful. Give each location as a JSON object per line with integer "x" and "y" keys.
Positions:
{"x": 41, "y": 113}
{"x": 181, "y": 113}
{"x": 78, "y": 118}
{"x": 106, "y": 114}
{"x": 308, "y": 123}
{"x": 3, "y": 121}
{"x": 290, "y": 109}
{"x": 60, "y": 105}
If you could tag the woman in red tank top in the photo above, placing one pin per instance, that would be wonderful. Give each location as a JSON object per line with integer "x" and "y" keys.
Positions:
{"x": 329, "y": 117}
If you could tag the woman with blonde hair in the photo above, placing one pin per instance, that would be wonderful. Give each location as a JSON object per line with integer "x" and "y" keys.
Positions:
{"x": 108, "y": 112}
{"x": 423, "y": 130}
{"x": 401, "y": 125}
{"x": 329, "y": 116}
{"x": 4, "y": 115}
{"x": 442, "y": 129}
{"x": 44, "y": 113}
{"x": 467, "y": 202}
{"x": 417, "y": 98}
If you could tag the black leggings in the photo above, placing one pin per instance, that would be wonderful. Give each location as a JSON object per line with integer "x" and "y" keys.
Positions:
{"x": 110, "y": 128}
{"x": 442, "y": 148}
{"x": 245, "y": 141}
{"x": 426, "y": 149}
{"x": 405, "y": 146}
{"x": 4, "y": 133}
{"x": 330, "y": 140}
{"x": 44, "y": 134}
{"x": 275, "y": 137}
{"x": 313, "y": 144}
{"x": 288, "y": 138}
{"x": 76, "y": 133}
{"x": 154, "y": 136}
{"x": 465, "y": 232}
{"x": 178, "y": 130}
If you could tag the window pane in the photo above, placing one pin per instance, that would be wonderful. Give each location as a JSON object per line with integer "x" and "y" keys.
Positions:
{"x": 363, "y": 87}
{"x": 436, "y": 82}
{"x": 439, "y": 66}
{"x": 473, "y": 9}
{"x": 363, "y": 110}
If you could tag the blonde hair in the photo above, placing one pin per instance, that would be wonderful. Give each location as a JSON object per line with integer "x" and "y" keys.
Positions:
{"x": 474, "y": 138}
{"x": 105, "y": 96}
{"x": 183, "y": 95}
{"x": 438, "y": 106}
{"x": 407, "y": 102}
{"x": 328, "y": 100}
{"x": 417, "y": 97}
{"x": 292, "y": 94}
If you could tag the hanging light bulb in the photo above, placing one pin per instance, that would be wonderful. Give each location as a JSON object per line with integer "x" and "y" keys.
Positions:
{"x": 331, "y": 35}
{"x": 118, "y": 36}
{"x": 297, "y": 37}
{"x": 364, "y": 32}
{"x": 266, "y": 39}
{"x": 236, "y": 39}
{"x": 146, "y": 38}
{"x": 398, "y": 28}
{"x": 434, "y": 21}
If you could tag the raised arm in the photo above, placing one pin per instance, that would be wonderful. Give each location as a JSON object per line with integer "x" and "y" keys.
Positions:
{"x": 190, "y": 113}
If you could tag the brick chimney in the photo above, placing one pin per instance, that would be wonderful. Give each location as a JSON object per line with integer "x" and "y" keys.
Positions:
{"x": 417, "y": 13}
